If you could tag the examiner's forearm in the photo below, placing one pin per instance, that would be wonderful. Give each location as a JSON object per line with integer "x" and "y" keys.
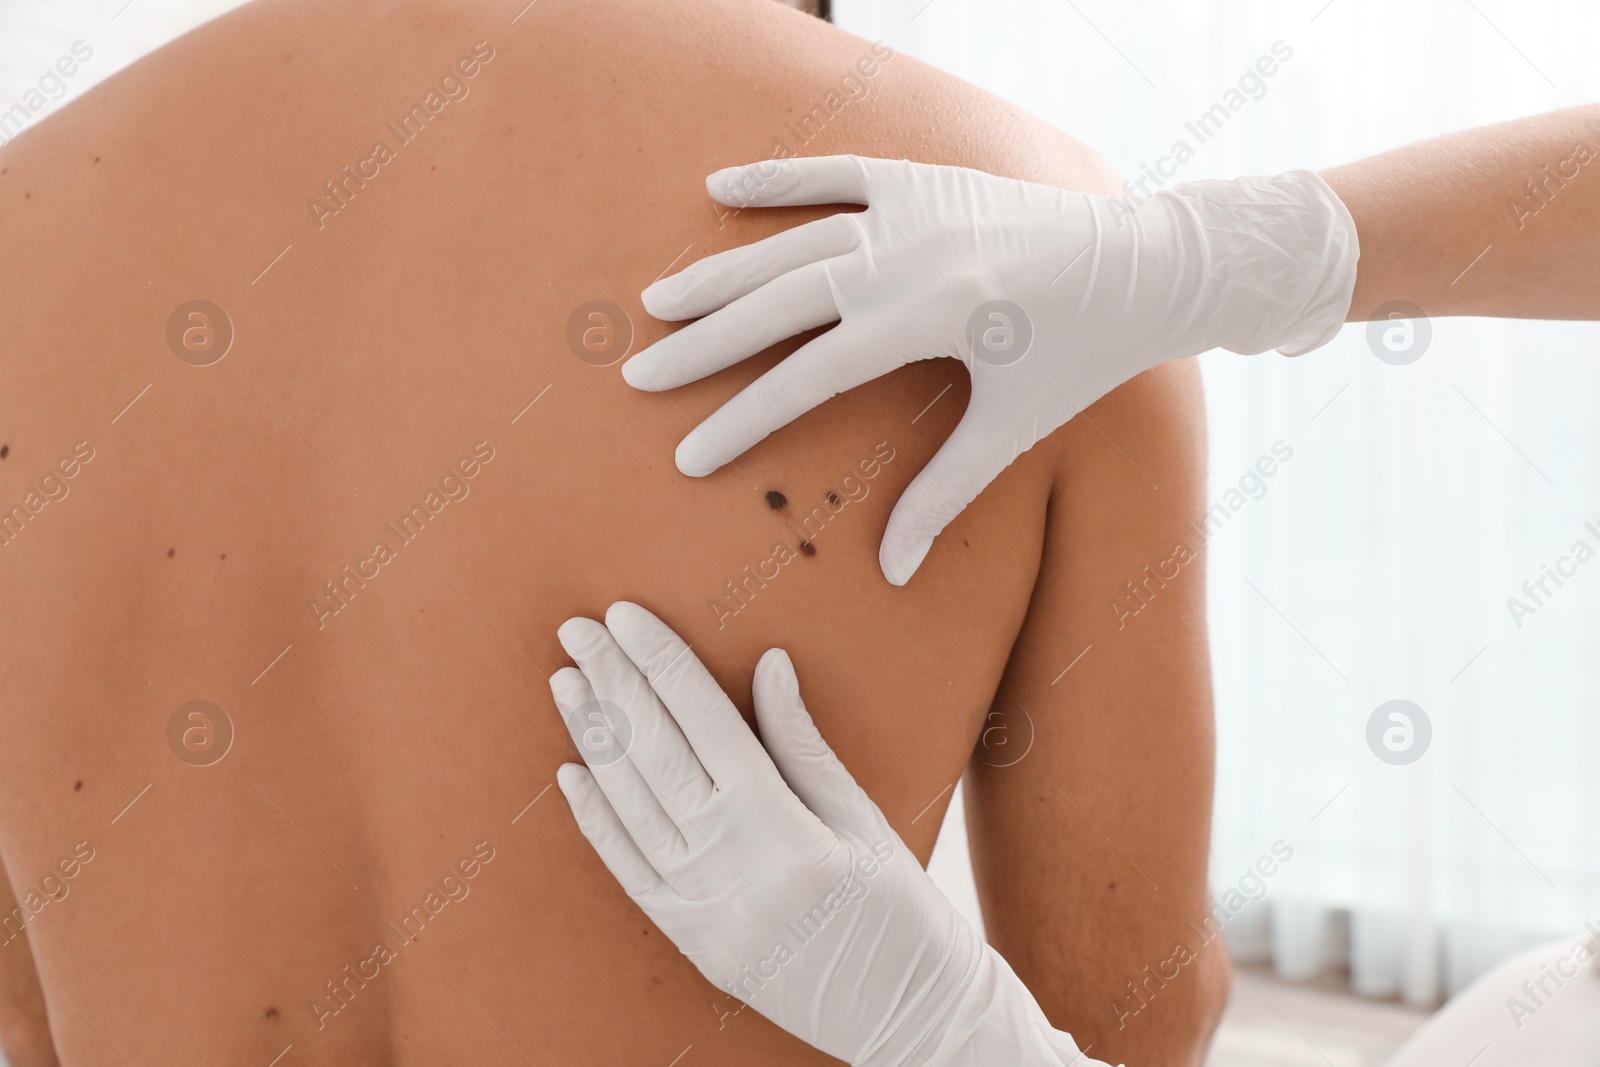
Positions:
{"x": 1502, "y": 221}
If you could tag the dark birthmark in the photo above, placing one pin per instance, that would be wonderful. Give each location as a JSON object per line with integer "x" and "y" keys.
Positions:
{"x": 776, "y": 500}
{"x": 272, "y": 1013}
{"x": 808, "y": 548}
{"x": 224, "y": 555}
{"x": 77, "y": 785}
{"x": 97, "y": 159}
{"x": 171, "y": 552}
{"x": 833, "y": 498}
{"x": 5, "y": 450}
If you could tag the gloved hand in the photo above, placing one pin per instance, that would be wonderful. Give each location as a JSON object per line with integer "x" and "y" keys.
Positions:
{"x": 777, "y": 877}
{"x": 1051, "y": 298}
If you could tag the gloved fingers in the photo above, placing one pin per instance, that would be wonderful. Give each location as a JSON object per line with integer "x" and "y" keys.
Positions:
{"x": 600, "y": 824}
{"x": 804, "y": 759}
{"x": 848, "y": 355}
{"x": 723, "y": 742}
{"x": 601, "y": 732}
{"x": 972, "y": 457}
{"x": 655, "y": 745}
{"x": 798, "y": 181}
{"x": 719, "y": 279}
{"x": 785, "y": 306}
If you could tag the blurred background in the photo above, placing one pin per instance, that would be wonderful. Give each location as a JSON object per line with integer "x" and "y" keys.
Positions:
{"x": 1436, "y": 466}
{"x": 1433, "y": 467}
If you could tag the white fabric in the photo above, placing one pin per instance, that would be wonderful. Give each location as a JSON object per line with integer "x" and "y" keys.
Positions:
{"x": 778, "y": 877}
{"x": 1050, "y": 298}
{"x": 1404, "y": 520}
{"x": 1541, "y": 1007}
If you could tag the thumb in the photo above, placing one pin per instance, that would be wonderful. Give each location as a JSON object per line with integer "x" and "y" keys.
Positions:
{"x": 972, "y": 457}
{"x": 803, "y": 758}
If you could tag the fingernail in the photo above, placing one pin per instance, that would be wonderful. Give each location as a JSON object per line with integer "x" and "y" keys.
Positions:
{"x": 660, "y": 298}
{"x": 775, "y": 661}
{"x": 624, "y": 616}
{"x": 696, "y": 457}
{"x": 650, "y": 368}
{"x": 568, "y": 775}
{"x": 576, "y": 635}
{"x": 899, "y": 567}
{"x": 636, "y": 372}
{"x": 791, "y": 681}
{"x": 723, "y": 183}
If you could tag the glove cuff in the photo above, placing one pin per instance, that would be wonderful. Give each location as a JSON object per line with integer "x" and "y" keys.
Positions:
{"x": 997, "y": 1021}
{"x": 1283, "y": 250}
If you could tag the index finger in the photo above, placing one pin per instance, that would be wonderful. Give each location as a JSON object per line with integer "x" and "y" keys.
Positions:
{"x": 723, "y": 741}
{"x": 796, "y": 181}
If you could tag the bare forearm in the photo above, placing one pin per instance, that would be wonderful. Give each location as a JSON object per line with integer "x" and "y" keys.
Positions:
{"x": 1501, "y": 221}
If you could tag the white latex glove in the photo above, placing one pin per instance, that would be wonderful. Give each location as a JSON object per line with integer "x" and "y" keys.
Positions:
{"x": 1094, "y": 294}
{"x": 778, "y": 877}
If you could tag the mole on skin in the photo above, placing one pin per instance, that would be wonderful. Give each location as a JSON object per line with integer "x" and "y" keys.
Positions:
{"x": 808, "y": 548}
{"x": 776, "y": 500}
{"x": 833, "y": 498}
{"x": 5, "y": 450}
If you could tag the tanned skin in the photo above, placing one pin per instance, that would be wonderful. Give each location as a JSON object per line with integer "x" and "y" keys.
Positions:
{"x": 371, "y": 869}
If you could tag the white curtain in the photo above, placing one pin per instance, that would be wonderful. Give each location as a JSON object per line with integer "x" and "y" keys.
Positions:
{"x": 1376, "y": 562}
